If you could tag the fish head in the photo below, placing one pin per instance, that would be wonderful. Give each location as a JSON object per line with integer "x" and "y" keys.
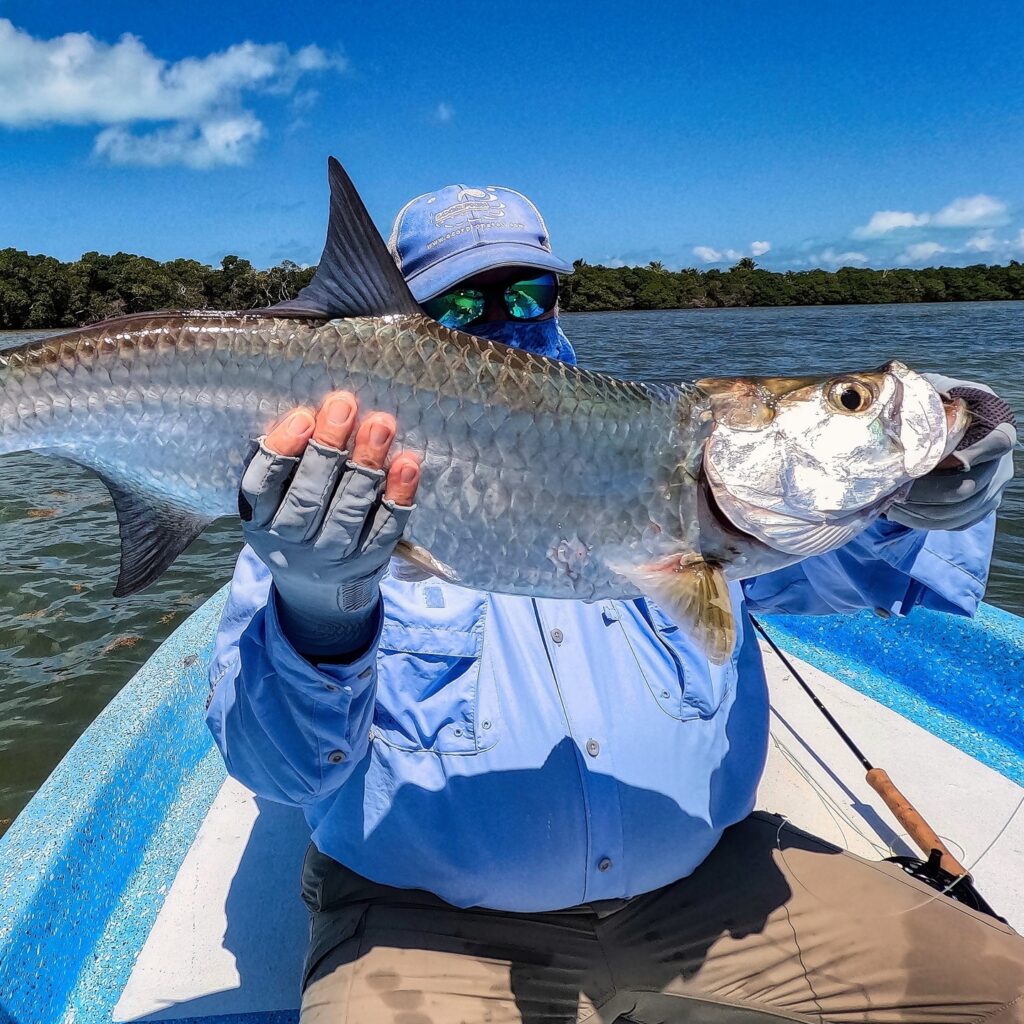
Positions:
{"x": 803, "y": 464}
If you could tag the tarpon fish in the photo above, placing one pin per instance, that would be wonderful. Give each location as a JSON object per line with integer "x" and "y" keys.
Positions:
{"x": 539, "y": 478}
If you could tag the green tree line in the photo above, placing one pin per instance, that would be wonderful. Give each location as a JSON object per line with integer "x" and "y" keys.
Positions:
{"x": 41, "y": 292}
{"x": 746, "y": 284}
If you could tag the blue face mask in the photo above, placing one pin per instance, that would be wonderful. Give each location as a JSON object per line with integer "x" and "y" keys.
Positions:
{"x": 541, "y": 337}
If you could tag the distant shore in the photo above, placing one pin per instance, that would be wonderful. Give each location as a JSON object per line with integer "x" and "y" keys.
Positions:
{"x": 40, "y": 292}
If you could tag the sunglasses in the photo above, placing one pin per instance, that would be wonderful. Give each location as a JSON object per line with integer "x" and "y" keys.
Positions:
{"x": 523, "y": 300}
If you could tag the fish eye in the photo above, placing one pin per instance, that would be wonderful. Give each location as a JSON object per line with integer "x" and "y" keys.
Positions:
{"x": 850, "y": 396}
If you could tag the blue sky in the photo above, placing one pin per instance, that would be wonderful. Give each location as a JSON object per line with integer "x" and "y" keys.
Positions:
{"x": 807, "y": 134}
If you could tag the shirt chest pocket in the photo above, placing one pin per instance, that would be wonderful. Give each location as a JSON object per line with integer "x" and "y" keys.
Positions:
{"x": 431, "y": 692}
{"x": 681, "y": 680}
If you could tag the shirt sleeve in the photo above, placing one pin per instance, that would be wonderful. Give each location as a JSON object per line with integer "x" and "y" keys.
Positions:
{"x": 290, "y": 730}
{"x": 889, "y": 568}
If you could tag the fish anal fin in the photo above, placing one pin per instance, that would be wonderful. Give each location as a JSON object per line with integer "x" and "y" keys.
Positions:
{"x": 695, "y": 596}
{"x": 423, "y": 560}
{"x": 356, "y": 276}
{"x": 153, "y": 534}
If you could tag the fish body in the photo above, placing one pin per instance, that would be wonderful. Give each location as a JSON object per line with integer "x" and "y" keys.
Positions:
{"x": 538, "y": 478}
{"x": 536, "y": 475}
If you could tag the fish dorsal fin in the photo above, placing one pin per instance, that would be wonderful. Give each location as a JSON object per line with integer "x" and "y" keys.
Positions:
{"x": 695, "y": 596}
{"x": 153, "y": 534}
{"x": 356, "y": 275}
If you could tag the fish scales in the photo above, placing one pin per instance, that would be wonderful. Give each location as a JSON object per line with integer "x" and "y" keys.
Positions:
{"x": 535, "y": 474}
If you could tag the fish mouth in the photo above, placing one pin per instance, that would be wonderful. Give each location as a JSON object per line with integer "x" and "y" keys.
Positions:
{"x": 926, "y": 424}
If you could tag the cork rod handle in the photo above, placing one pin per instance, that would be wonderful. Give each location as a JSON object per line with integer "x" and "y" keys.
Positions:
{"x": 908, "y": 816}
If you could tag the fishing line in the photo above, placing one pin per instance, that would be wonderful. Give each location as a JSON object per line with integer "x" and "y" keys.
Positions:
{"x": 946, "y": 890}
{"x": 959, "y": 886}
{"x": 834, "y": 809}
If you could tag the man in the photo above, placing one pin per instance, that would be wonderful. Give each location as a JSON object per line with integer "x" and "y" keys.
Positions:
{"x": 540, "y": 810}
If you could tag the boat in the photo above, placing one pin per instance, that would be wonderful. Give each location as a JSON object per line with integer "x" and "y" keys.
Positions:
{"x": 141, "y": 883}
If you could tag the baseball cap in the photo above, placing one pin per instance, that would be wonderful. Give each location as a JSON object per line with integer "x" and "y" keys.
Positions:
{"x": 443, "y": 237}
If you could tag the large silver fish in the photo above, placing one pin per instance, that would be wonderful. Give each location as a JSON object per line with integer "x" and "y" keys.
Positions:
{"x": 538, "y": 478}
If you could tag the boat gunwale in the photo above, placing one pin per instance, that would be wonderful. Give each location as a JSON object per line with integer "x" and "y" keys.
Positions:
{"x": 72, "y": 852}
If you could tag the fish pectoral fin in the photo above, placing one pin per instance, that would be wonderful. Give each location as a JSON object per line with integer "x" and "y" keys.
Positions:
{"x": 695, "y": 596}
{"x": 423, "y": 560}
{"x": 153, "y": 534}
{"x": 356, "y": 276}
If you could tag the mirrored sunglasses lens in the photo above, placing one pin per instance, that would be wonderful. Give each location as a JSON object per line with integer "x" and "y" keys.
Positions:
{"x": 528, "y": 299}
{"x": 456, "y": 309}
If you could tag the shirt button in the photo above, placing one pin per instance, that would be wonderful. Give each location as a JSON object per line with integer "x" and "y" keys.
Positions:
{"x": 604, "y": 864}
{"x": 593, "y": 748}
{"x": 557, "y": 636}
{"x": 336, "y": 756}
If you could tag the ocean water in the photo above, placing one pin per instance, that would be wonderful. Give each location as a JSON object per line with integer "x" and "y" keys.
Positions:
{"x": 67, "y": 646}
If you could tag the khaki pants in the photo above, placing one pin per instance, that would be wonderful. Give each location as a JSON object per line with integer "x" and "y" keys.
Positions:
{"x": 758, "y": 933}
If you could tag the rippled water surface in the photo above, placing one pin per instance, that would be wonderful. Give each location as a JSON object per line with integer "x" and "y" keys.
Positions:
{"x": 67, "y": 646}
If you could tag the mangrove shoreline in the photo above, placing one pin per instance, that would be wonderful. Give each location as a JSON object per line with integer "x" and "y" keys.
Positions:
{"x": 40, "y": 292}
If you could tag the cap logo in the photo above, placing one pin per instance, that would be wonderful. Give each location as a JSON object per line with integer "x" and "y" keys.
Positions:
{"x": 473, "y": 205}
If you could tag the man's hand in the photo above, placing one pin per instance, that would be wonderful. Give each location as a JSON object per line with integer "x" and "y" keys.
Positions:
{"x": 326, "y": 522}
{"x": 969, "y": 484}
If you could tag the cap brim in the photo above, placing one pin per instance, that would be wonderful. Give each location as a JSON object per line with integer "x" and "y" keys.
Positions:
{"x": 440, "y": 276}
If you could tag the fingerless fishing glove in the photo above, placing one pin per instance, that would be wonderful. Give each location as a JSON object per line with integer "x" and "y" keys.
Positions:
{"x": 319, "y": 523}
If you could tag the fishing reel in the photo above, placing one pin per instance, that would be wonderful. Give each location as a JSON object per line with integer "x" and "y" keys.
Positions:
{"x": 957, "y": 887}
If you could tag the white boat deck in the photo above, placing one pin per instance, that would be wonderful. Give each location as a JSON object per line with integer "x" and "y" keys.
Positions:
{"x": 231, "y": 935}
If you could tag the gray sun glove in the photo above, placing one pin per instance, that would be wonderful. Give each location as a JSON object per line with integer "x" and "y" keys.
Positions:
{"x": 955, "y": 499}
{"x": 320, "y": 525}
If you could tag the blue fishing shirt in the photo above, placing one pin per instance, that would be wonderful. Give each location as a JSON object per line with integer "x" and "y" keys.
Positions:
{"x": 528, "y": 755}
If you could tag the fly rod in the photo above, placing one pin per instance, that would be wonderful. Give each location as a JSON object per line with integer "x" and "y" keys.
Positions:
{"x": 923, "y": 835}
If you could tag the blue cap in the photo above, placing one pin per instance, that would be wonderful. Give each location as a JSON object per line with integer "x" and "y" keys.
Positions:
{"x": 443, "y": 237}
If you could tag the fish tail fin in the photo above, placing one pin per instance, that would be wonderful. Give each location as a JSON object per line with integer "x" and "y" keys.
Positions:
{"x": 153, "y": 533}
{"x": 356, "y": 275}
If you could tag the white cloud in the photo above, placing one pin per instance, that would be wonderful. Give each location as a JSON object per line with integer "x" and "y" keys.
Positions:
{"x": 884, "y": 221}
{"x": 985, "y": 241}
{"x": 831, "y": 258}
{"x": 444, "y": 112}
{"x": 209, "y": 143}
{"x": 707, "y": 255}
{"x": 920, "y": 252}
{"x": 966, "y": 212}
{"x": 81, "y": 80}
{"x": 971, "y": 212}
{"x": 994, "y": 248}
